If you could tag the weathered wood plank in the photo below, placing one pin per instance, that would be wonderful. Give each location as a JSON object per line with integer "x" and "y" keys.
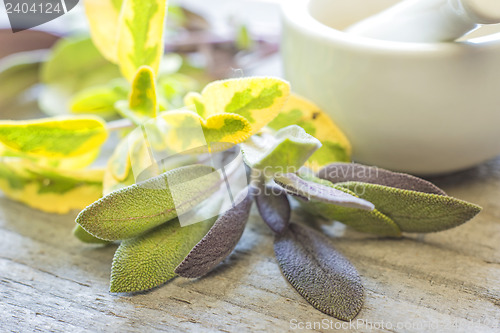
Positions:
{"x": 51, "y": 282}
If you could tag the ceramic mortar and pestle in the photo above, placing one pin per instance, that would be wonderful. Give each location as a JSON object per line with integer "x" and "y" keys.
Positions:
{"x": 409, "y": 87}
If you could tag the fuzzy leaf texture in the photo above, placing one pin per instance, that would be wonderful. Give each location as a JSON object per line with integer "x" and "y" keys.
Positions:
{"x": 414, "y": 204}
{"x": 311, "y": 191}
{"x": 373, "y": 222}
{"x": 301, "y": 112}
{"x": 55, "y": 137}
{"x": 49, "y": 189}
{"x": 220, "y": 241}
{"x": 274, "y": 207}
{"x": 149, "y": 260}
{"x": 415, "y": 211}
{"x": 257, "y": 99}
{"x": 84, "y": 237}
{"x": 346, "y": 172}
{"x": 325, "y": 278}
{"x": 284, "y": 152}
{"x": 133, "y": 210}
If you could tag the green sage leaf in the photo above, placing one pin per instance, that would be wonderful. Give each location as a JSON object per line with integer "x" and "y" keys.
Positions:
{"x": 415, "y": 211}
{"x": 85, "y": 237}
{"x": 309, "y": 190}
{"x": 274, "y": 207}
{"x": 373, "y": 222}
{"x": 219, "y": 242}
{"x": 133, "y": 210}
{"x": 346, "y": 172}
{"x": 319, "y": 273}
{"x": 285, "y": 152}
{"x": 149, "y": 260}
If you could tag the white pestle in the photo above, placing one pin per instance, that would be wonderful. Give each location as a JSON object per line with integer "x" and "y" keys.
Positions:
{"x": 428, "y": 21}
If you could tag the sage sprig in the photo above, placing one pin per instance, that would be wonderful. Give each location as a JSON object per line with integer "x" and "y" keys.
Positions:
{"x": 287, "y": 142}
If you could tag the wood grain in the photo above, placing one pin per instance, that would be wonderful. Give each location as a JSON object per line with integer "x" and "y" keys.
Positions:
{"x": 51, "y": 282}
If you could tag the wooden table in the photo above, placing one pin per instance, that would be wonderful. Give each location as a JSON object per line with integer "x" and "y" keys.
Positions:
{"x": 51, "y": 282}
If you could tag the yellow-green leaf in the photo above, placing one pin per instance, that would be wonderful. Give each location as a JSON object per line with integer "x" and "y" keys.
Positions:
{"x": 184, "y": 125}
{"x": 285, "y": 152}
{"x": 99, "y": 99}
{"x": 103, "y": 18}
{"x": 258, "y": 99}
{"x": 315, "y": 122}
{"x": 140, "y": 35}
{"x": 142, "y": 104}
{"x": 49, "y": 189}
{"x": 55, "y": 137}
{"x": 148, "y": 261}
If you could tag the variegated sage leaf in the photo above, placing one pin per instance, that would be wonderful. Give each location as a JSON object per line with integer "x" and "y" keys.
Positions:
{"x": 309, "y": 190}
{"x": 274, "y": 207}
{"x": 219, "y": 242}
{"x": 347, "y": 172}
{"x": 320, "y": 274}
{"x": 415, "y": 211}
{"x": 131, "y": 211}
{"x": 149, "y": 260}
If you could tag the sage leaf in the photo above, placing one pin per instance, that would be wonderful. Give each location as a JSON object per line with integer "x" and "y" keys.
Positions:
{"x": 308, "y": 190}
{"x": 415, "y": 211}
{"x": 373, "y": 222}
{"x": 56, "y": 137}
{"x": 257, "y": 99}
{"x": 286, "y": 151}
{"x": 319, "y": 273}
{"x": 133, "y": 210}
{"x": 346, "y": 172}
{"x": 220, "y": 240}
{"x": 49, "y": 189}
{"x": 141, "y": 25}
{"x": 103, "y": 16}
{"x": 274, "y": 207}
{"x": 142, "y": 104}
{"x": 85, "y": 237}
{"x": 149, "y": 260}
{"x": 99, "y": 99}
{"x": 302, "y": 112}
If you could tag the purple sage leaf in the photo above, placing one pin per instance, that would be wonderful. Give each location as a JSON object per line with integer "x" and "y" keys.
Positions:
{"x": 274, "y": 207}
{"x": 347, "y": 172}
{"x": 319, "y": 273}
{"x": 309, "y": 190}
{"x": 220, "y": 240}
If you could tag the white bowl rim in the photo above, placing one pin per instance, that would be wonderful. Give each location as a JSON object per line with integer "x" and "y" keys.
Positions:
{"x": 297, "y": 12}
